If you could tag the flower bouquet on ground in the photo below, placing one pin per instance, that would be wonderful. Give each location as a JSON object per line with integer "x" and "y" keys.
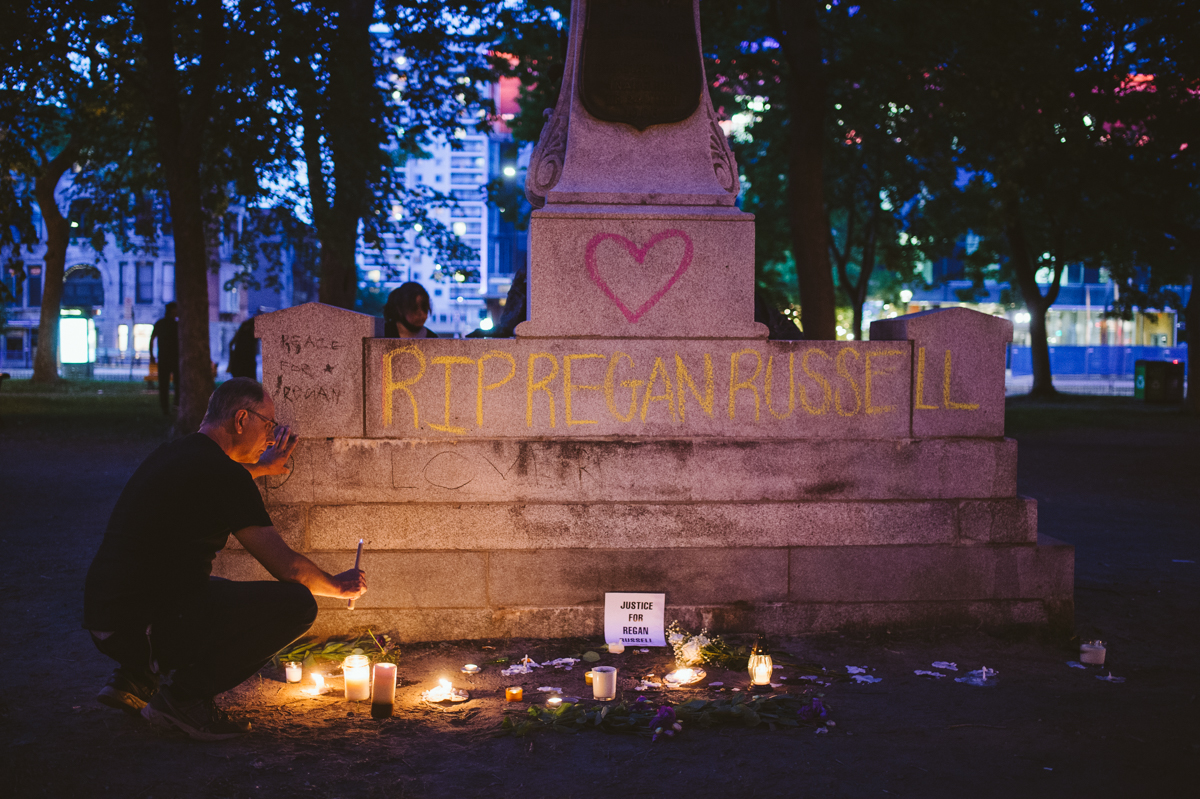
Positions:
{"x": 694, "y": 650}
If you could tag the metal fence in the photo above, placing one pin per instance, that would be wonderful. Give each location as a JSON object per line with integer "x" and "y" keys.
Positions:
{"x": 1105, "y": 362}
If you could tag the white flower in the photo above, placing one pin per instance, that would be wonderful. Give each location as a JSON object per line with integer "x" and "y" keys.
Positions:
{"x": 702, "y": 640}
{"x": 675, "y": 638}
{"x": 689, "y": 653}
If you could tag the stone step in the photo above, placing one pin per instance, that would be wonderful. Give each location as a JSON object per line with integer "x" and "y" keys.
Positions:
{"x": 624, "y": 525}
{"x": 338, "y": 471}
{"x": 446, "y": 595}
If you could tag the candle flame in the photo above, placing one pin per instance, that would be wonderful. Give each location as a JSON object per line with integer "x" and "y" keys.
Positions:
{"x": 318, "y": 684}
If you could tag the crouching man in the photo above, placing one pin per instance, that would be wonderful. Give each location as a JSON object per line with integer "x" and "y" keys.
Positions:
{"x": 150, "y": 602}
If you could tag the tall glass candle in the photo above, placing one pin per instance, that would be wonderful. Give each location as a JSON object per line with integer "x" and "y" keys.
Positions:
{"x": 383, "y": 690}
{"x": 357, "y": 669}
{"x": 294, "y": 671}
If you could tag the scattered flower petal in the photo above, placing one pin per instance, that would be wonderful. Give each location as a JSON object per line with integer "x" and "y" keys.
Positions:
{"x": 715, "y": 684}
{"x": 984, "y": 676}
{"x": 855, "y": 670}
{"x": 942, "y": 664}
{"x": 1075, "y": 664}
{"x": 821, "y": 731}
{"x": 929, "y": 673}
{"x": 814, "y": 712}
{"x": 1110, "y": 678}
{"x": 866, "y": 678}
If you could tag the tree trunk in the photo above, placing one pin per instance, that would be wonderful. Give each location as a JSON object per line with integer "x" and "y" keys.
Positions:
{"x": 863, "y": 286}
{"x": 799, "y": 33}
{"x": 351, "y": 128}
{"x": 58, "y": 235}
{"x": 180, "y": 120}
{"x": 339, "y": 271}
{"x": 1035, "y": 301}
{"x": 1191, "y": 315}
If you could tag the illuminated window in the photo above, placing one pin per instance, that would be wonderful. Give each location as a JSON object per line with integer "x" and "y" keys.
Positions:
{"x": 141, "y": 337}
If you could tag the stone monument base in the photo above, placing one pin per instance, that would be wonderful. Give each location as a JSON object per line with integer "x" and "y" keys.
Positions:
{"x": 502, "y": 487}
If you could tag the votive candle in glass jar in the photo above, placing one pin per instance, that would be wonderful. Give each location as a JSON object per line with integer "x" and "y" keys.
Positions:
{"x": 513, "y": 694}
{"x": 357, "y": 669}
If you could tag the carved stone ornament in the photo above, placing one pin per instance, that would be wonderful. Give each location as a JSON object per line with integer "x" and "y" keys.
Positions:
{"x": 724, "y": 165}
{"x": 546, "y": 163}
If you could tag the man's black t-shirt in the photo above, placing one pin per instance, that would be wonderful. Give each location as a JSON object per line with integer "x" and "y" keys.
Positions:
{"x": 174, "y": 515}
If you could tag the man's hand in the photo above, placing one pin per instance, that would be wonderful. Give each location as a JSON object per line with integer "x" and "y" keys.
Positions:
{"x": 275, "y": 459}
{"x": 285, "y": 564}
{"x": 353, "y": 583}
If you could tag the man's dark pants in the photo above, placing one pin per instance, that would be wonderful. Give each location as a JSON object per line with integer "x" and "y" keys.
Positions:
{"x": 220, "y": 638}
{"x": 167, "y": 370}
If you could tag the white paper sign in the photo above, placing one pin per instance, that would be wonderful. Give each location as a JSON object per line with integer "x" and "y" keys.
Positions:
{"x": 635, "y": 619}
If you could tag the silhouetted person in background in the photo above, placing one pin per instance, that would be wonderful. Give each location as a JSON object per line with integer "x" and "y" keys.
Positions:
{"x": 514, "y": 307}
{"x": 166, "y": 333}
{"x": 782, "y": 328}
{"x": 243, "y": 352}
{"x": 405, "y": 312}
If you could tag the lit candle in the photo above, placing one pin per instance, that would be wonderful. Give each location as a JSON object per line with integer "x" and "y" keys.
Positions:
{"x": 554, "y": 701}
{"x": 470, "y": 668}
{"x": 441, "y": 692}
{"x": 1092, "y": 653}
{"x": 318, "y": 684}
{"x": 513, "y": 694}
{"x": 760, "y": 669}
{"x": 587, "y": 677}
{"x": 684, "y": 675}
{"x": 357, "y": 669}
{"x": 294, "y": 671}
{"x": 615, "y": 647}
{"x": 383, "y": 692}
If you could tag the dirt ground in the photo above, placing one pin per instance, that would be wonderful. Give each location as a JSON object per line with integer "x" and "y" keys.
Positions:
{"x": 1116, "y": 479}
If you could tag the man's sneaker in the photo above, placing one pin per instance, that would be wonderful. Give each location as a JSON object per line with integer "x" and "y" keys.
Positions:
{"x": 202, "y": 719}
{"x": 123, "y": 692}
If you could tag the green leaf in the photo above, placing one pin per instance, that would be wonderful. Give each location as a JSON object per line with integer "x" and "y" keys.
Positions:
{"x": 357, "y": 651}
{"x": 591, "y": 657}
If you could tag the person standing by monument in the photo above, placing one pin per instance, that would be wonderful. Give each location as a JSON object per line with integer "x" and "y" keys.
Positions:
{"x": 243, "y": 351}
{"x": 405, "y": 312}
{"x": 149, "y": 601}
{"x": 166, "y": 333}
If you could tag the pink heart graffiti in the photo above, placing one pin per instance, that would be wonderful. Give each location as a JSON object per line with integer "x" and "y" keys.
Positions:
{"x": 639, "y": 255}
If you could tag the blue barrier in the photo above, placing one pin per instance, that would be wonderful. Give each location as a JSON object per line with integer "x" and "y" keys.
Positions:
{"x": 1097, "y": 361}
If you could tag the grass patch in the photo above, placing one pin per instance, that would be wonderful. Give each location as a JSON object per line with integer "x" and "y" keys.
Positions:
{"x": 1080, "y": 411}
{"x": 77, "y": 408}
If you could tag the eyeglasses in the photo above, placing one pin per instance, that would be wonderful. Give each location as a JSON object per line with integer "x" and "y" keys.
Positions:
{"x": 271, "y": 423}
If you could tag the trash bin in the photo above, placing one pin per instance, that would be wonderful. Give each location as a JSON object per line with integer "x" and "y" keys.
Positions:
{"x": 1158, "y": 381}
